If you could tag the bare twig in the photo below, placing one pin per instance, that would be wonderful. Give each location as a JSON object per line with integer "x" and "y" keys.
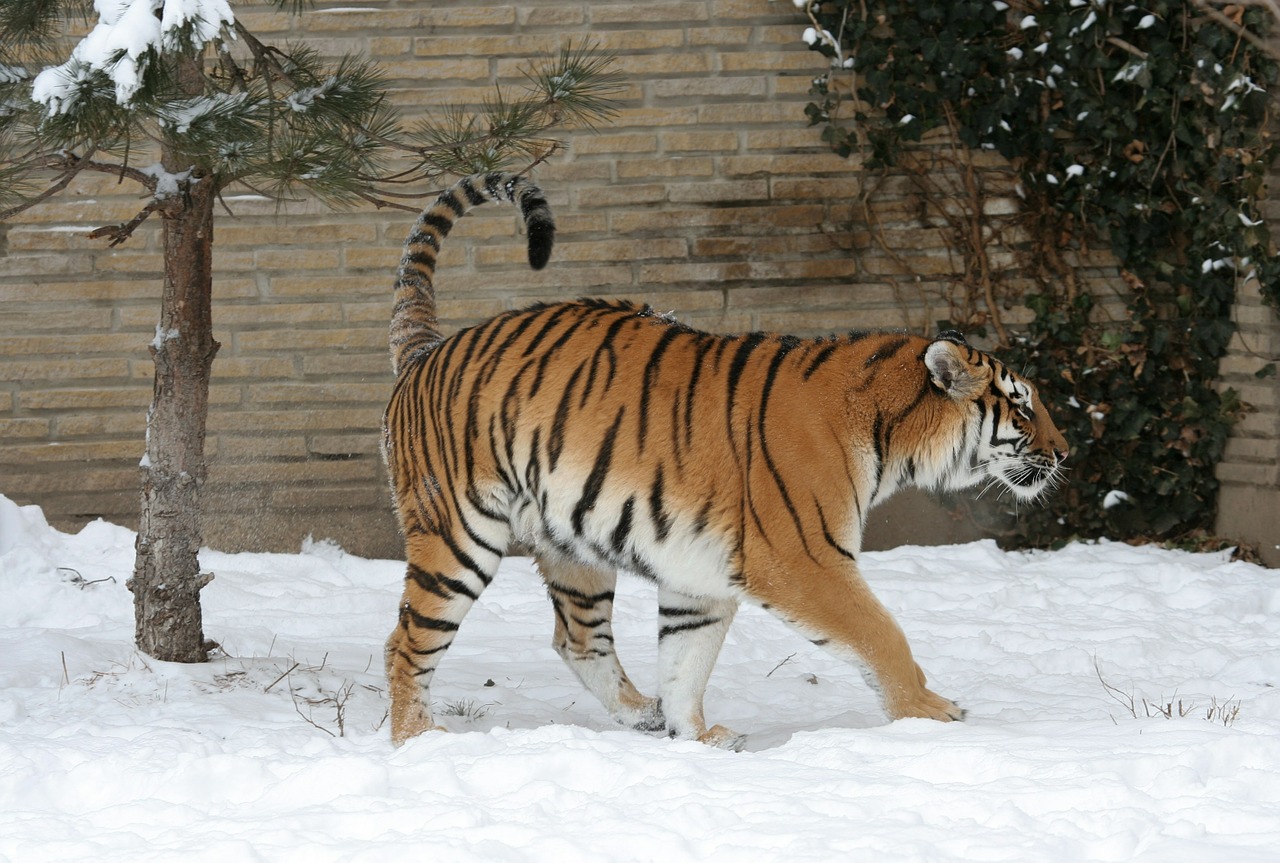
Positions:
{"x": 120, "y": 233}
{"x": 1126, "y": 700}
{"x": 780, "y": 664}
{"x": 307, "y": 718}
{"x": 282, "y": 676}
{"x": 1239, "y": 29}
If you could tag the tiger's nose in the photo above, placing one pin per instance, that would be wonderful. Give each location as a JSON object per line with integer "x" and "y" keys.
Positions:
{"x": 1060, "y": 453}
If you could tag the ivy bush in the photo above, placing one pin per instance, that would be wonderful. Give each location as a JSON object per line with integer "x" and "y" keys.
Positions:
{"x": 1138, "y": 127}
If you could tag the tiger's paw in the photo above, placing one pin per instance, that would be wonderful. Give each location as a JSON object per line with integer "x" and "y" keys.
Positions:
{"x": 929, "y": 705}
{"x": 722, "y": 738}
{"x": 647, "y": 717}
{"x": 404, "y": 728}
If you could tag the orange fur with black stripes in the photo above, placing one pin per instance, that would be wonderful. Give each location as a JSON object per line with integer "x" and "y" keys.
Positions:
{"x": 606, "y": 436}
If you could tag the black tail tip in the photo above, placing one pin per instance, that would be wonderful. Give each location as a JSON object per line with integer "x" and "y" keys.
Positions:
{"x": 542, "y": 236}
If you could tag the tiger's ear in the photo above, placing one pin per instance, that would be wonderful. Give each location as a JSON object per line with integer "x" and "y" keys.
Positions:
{"x": 950, "y": 370}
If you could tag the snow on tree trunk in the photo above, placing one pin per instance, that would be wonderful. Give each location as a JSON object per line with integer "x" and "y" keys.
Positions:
{"x": 166, "y": 579}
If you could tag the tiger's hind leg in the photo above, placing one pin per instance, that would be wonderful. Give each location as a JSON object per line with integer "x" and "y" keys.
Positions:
{"x": 442, "y": 582}
{"x": 582, "y": 598}
{"x": 690, "y": 635}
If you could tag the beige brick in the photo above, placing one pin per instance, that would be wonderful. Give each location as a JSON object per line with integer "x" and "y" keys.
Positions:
{"x": 650, "y": 118}
{"x": 71, "y": 452}
{"x": 21, "y": 429}
{"x": 382, "y": 47}
{"x": 755, "y": 10}
{"x": 834, "y": 321}
{"x": 32, "y": 370}
{"x": 296, "y": 259}
{"x": 76, "y": 344}
{"x": 709, "y": 88}
{"x": 61, "y": 292}
{"x": 278, "y": 314}
{"x": 810, "y": 297}
{"x": 272, "y": 474}
{"x": 1255, "y": 450}
{"x": 345, "y": 445}
{"x": 563, "y": 283}
{"x": 639, "y": 40}
{"x": 370, "y": 366}
{"x": 227, "y": 368}
{"x": 226, "y": 289}
{"x": 721, "y": 323}
{"x": 720, "y": 192}
{"x": 44, "y": 481}
{"x": 720, "y": 142}
{"x": 638, "y": 143}
{"x": 664, "y": 65}
{"x": 755, "y": 247}
{"x": 523, "y": 45}
{"x": 635, "y": 169}
{"x": 1247, "y": 473}
{"x": 267, "y": 22}
{"x": 250, "y": 448}
{"x": 285, "y": 233}
{"x": 551, "y": 16}
{"x": 648, "y": 13}
{"x": 785, "y": 138}
{"x": 131, "y": 424}
{"x": 59, "y": 319}
{"x": 739, "y": 114}
{"x": 328, "y": 392}
{"x": 803, "y": 164}
{"x": 332, "y": 286}
{"x": 349, "y": 19}
{"x": 809, "y": 63}
{"x": 344, "y": 500}
{"x": 309, "y": 340}
{"x": 837, "y": 187}
{"x": 745, "y": 270}
{"x": 44, "y": 265}
{"x": 622, "y": 196}
{"x": 474, "y": 17}
{"x": 748, "y": 217}
{"x": 719, "y": 35}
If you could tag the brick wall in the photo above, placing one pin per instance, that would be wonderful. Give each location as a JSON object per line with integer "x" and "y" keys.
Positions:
{"x": 1249, "y": 506}
{"x": 709, "y": 197}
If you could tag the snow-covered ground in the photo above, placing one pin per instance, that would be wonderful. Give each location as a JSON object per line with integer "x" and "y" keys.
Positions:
{"x": 277, "y": 750}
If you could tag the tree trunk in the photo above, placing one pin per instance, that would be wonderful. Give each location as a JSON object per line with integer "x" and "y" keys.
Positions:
{"x": 166, "y": 579}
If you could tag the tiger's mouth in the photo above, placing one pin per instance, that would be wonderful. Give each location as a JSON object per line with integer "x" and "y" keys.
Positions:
{"x": 1028, "y": 480}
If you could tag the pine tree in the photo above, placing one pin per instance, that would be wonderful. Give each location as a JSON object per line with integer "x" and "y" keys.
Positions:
{"x": 185, "y": 81}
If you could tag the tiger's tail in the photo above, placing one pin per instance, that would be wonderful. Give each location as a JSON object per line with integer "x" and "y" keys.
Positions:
{"x": 414, "y": 326}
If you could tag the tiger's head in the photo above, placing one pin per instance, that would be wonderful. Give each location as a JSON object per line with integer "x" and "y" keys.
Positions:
{"x": 1009, "y": 435}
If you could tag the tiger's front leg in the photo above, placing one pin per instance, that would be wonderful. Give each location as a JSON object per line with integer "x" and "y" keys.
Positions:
{"x": 690, "y": 635}
{"x": 836, "y": 609}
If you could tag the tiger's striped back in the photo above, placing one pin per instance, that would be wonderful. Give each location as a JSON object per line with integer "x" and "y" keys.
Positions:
{"x": 414, "y": 325}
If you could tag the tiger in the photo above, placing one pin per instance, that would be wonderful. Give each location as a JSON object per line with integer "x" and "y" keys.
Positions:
{"x": 602, "y": 435}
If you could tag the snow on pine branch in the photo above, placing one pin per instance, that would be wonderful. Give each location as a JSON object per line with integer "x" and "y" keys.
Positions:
{"x": 127, "y": 34}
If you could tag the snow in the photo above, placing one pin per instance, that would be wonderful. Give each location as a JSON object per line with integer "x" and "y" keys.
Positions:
{"x": 120, "y": 45}
{"x": 1114, "y": 498}
{"x": 107, "y": 755}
